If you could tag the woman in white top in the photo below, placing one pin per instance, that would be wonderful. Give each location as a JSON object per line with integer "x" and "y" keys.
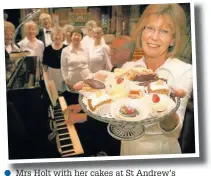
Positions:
{"x": 68, "y": 31}
{"x": 88, "y": 40}
{"x": 74, "y": 60}
{"x": 161, "y": 34}
{"x": 30, "y": 42}
{"x": 99, "y": 53}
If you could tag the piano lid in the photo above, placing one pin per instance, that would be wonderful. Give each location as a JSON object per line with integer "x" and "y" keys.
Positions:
{"x": 51, "y": 89}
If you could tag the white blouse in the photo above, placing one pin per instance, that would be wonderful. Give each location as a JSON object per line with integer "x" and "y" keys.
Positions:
{"x": 99, "y": 58}
{"x": 155, "y": 140}
{"x": 74, "y": 64}
{"x": 87, "y": 41}
{"x": 36, "y": 48}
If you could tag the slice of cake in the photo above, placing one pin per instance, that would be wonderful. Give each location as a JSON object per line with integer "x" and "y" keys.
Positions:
{"x": 159, "y": 86}
{"x": 135, "y": 92}
{"x": 94, "y": 101}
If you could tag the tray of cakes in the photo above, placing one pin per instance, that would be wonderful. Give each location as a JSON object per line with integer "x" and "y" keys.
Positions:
{"x": 134, "y": 95}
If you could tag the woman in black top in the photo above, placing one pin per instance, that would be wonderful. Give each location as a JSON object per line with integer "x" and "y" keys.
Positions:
{"x": 52, "y": 58}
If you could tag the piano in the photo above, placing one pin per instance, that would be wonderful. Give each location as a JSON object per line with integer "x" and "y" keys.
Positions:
{"x": 29, "y": 112}
{"x": 67, "y": 139}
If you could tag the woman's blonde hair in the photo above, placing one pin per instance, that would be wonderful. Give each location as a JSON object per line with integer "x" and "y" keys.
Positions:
{"x": 97, "y": 29}
{"x": 9, "y": 25}
{"x": 68, "y": 28}
{"x": 56, "y": 30}
{"x": 44, "y": 16}
{"x": 175, "y": 19}
{"x": 27, "y": 24}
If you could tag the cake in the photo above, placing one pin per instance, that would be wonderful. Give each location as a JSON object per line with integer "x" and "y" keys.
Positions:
{"x": 159, "y": 86}
{"x": 136, "y": 92}
{"x": 128, "y": 111}
{"x": 120, "y": 72}
{"x": 94, "y": 101}
{"x": 159, "y": 103}
{"x": 118, "y": 91}
{"x": 145, "y": 77}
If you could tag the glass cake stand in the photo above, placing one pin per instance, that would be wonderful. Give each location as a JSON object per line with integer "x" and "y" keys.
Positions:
{"x": 122, "y": 129}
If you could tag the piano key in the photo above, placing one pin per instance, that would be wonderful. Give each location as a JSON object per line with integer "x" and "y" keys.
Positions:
{"x": 59, "y": 120}
{"x": 68, "y": 153}
{"x": 61, "y": 128}
{"x": 64, "y": 135}
{"x": 67, "y": 148}
{"x": 58, "y": 114}
{"x": 61, "y": 131}
{"x": 65, "y": 138}
{"x": 58, "y": 117}
{"x": 66, "y": 142}
{"x": 61, "y": 125}
{"x": 57, "y": 110}
{"x": 67, "y": 145}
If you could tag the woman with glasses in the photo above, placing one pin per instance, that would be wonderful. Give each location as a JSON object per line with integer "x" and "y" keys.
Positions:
{"x": 161, "y": 33}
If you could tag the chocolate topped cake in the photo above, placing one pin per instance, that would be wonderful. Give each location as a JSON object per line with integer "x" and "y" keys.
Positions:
{"x": 145, "y": 77}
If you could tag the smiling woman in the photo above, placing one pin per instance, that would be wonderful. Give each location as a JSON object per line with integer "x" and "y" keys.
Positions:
{"x": 160, "y": 32}
{"x": 52, "y": 58}
{"x": 171, "y": 23}
{"x": 30, "y": 42}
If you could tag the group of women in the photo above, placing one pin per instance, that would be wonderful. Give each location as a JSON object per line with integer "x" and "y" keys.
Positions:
{"x": 160, "y": 32}
{"x": 70, "y": 57}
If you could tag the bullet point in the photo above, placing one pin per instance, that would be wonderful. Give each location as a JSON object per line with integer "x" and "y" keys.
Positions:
{"x": 7, "y": 173}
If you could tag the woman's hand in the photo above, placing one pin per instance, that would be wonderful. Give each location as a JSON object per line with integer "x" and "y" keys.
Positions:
{"x": 78, "y": 86}
{"x": 179, "y": 92}
{"x": 170, "y": 123}
{"x": 73, "y": 109}
{"x": 72, "y": 114}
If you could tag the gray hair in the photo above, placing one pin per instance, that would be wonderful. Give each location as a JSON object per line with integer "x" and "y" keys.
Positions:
{"x": 68, "y": 27}
{"x": 56, "y": 30}
{"x": 91, "y": 24}
{"x": 27, "y": 24}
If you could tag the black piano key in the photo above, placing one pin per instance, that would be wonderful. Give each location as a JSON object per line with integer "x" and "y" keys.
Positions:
{"x": 58, "y": 106}
{"x": 61, "y": 131}
{"x": 58, "y": 114}
{"x": 67, "y": 148}
{"x": 66, "y": 142}
{"x": 59, "y": 120}
{"x": 57, "y": 110}
{"x": 58, "y": 117}
{"x": 61, "y": 125}
{"x": 62, "y": 136}
{"x": 68, "y": 154}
